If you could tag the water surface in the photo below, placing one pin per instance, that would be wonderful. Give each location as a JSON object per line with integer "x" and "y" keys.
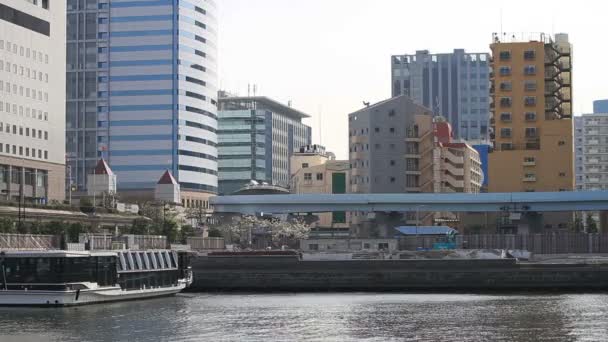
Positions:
{"x": 320, "y": 317}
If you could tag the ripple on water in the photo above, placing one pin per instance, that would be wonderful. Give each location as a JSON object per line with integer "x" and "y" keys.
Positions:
{"x": 320, "y": 317}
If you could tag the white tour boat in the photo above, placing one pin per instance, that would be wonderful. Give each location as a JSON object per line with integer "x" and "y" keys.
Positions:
{"x": 66, "y": 278}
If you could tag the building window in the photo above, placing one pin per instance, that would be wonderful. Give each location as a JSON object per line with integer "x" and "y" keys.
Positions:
{"x": 392, "y": 163}
{"x": 561, "y": 143}
{"x": 313, "y": 247}
{"x": 377, "y": 146}
{"x": 506, "y": 86}
{"x": 505, "y": 71}
{"x": 392, "y": 130}
{"x": 377, "y": 129}
{"x": 391, "y": 112}
{"x": 304, "y": 165}
{"x": 530, "y": 70}
{"x": 392, "y": 179}
{"x": 530, "y": 85}
{"x": 530, "y": 101}
{"x": 505, "y": 132}
{"x": 529, "y": 160}
{"x": 505, "y": 102}
{"x": 505, "y": 55}
{"x": 308, "y": 176}
{"x": 562, "y": 174}
{"x": 531, "y": 132}
{"x": 505, "y": 117}
{"x": 530, "y": 116}
{"x": 319, "y": 176}
{"x": 529, "y": 55}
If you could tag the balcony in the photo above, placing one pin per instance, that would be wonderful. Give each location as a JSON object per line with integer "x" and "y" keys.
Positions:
{"x": 529, "y": 163}
{"x": 529, "y": 179}
{"x": 456, "y": 171}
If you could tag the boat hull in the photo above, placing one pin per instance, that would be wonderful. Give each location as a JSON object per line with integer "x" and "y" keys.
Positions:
{"x": 83, "y": 297}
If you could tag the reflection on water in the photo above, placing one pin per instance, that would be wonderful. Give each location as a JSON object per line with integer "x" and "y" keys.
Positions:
{"x": 320, "y": 317}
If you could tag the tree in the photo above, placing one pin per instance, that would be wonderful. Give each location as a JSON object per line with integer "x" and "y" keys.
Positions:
{"x": 288, "y": 232}
{"x": 197, "y": 214}
{"x": 140, "y": 226}
{"x": 591, "y": 224}
{"x": 214, "y": 232}
{"x": 240, "y": 230}
{"x": 578, "y": 222}
{"x": 74, "y": 230}
{"x": 185, "y": 232}
{"x": 7, "y": 225}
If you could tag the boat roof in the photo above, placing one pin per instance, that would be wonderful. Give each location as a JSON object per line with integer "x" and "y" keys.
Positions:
{"x": 54, "y": 253}
{"x": 57, "y": 253}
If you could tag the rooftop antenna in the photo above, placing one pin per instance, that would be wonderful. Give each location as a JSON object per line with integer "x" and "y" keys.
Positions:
{"x": 501, "y": 31}
{"x": 255, "y": 89}
{"x": 248, "y": 89}
{"x": 320, "y": 125}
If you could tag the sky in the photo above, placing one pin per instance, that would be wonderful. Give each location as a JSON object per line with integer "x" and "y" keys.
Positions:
{"x": 328, "y": 56}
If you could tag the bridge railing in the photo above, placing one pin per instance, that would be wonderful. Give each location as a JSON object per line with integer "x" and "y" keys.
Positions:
{"x": 557, "y": 243}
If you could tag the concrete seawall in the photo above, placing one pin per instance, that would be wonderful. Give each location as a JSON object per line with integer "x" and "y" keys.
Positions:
{"x": 288, "y": 273}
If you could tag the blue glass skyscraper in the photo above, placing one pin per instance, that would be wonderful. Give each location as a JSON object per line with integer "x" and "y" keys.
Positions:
{"x": 142, "y": 92}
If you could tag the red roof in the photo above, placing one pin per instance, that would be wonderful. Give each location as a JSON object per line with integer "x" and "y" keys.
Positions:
{"x": 167, "y": 178}
{"x": 102, "y": 168}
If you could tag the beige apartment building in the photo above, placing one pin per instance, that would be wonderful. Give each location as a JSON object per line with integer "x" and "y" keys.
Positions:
{"x": 532, "y": 126}
{"x": 437, "y": 163}
{"x": 315, "y": 171}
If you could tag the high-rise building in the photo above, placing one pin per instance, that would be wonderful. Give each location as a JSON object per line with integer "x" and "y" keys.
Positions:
{"x": 32, "y": 106}
{"x": 377, "y": 136}
{"x": 454, "y": 85}
{"x": 579, "y": 154}
{"x": 600, "y": 106}
{"x": 595, "y": 151}
{"x": 532, "y": 122}
{"x": 257, "y": 136}
{"x": 142, "y": 88}
{"x": 532, "y": 125}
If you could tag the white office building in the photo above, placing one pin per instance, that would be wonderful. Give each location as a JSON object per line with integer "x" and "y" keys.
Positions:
{"x": 32, "y": 100}
{"x": 595, "y": 151}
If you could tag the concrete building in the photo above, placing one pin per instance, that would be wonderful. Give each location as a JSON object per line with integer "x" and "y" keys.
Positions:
{"x": 376, "y": 145}
{"x": 533, "y": 148}
{"x": 257, "y": 136}
{"x": 457, "y": 165}
{"x": 141, "y": 93}
{"x": 397, "y": 146}
{"x": 454, "y": 85}
{"x": 32, "y": 106}
{"x": 314, "y": 171}
{"x": 579, "y": 172}
{"x": 600, "y": 106}
{"x": 532, "y": 121}
{"x": 595, "y": 151}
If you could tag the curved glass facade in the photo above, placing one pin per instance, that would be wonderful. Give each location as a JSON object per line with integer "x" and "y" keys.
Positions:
{"x": 148, "y": 77}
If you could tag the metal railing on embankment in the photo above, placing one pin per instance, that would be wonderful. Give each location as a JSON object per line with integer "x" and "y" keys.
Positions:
{"x": 557, "y": 243}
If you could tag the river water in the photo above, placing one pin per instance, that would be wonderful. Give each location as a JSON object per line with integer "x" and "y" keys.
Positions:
{"x": 320, "y": 317}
